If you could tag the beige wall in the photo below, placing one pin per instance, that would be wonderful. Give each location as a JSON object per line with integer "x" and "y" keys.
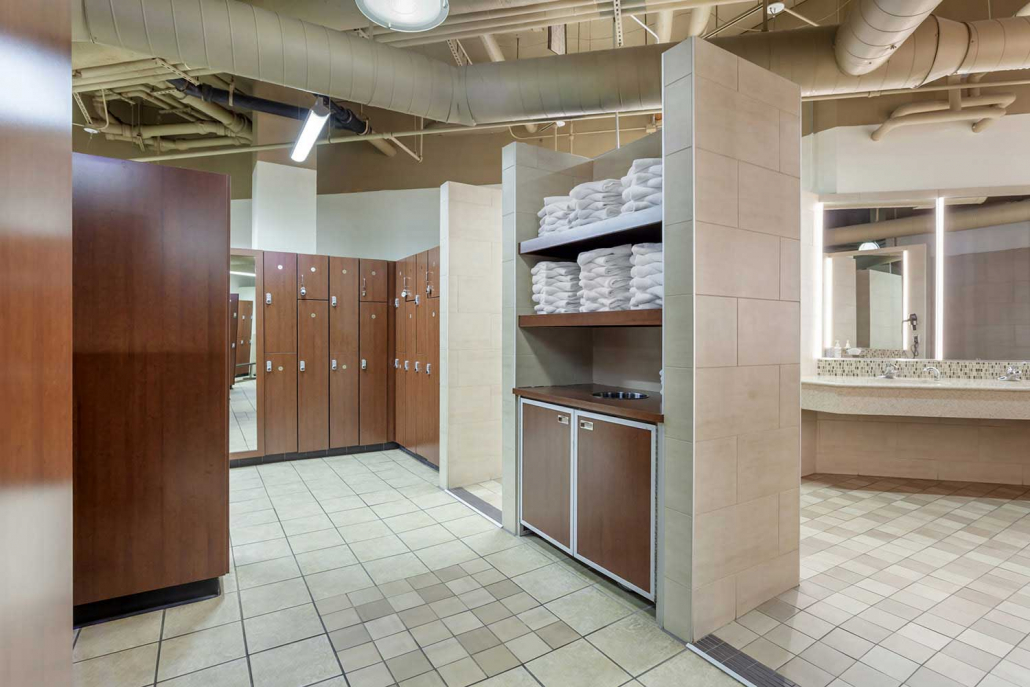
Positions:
{"x": 746, "y": 347}
{"x": 470, "y": 348}
{"x": 987, "y": 305}
{"x": 993, "y": 451}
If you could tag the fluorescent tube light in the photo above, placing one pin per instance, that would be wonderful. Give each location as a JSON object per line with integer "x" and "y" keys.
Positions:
{"x": 317, "y": 118}
{"x": 242, "y": 274}
{"x": 817, "y": 240}
{"x": 938, "y": 280}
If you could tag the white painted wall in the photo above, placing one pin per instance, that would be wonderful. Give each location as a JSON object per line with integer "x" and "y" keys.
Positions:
{"x": 386, "y": 225}
{"x": 283, "y": 210}
{"x": 240, "y": 229}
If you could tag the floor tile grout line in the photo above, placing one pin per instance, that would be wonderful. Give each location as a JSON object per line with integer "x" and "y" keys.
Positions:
{"x": 160, "y": 639}
{"x": 239, "y": 605}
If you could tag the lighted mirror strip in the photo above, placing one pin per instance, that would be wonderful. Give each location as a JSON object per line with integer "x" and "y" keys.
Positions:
{"x": 938, "y": 280}
{"x": 820, "y": 335}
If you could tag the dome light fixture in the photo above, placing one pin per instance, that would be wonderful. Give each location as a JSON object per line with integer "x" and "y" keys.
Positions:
{"x": 870, "y": 245}
{"x": 776, "y": 7}
{"x": 408, "y": 16}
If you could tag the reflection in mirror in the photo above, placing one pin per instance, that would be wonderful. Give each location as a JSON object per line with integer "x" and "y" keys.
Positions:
{"x": 243, "y": 417}
{"x": 987, "y": 279}
{"x": 876, "y": 287}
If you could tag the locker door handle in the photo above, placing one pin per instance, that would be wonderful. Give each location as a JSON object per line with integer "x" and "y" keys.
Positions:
{"x": 303, "y": 291}
{"x": 587, "y": 425}
{"x": 417, "y": 299}
{"x": 563, "y": 419}
{"x": 416, "y": 366}
{"x": 233, "y": 344}
{"x": 362, "y": 286}
{"x": 429, "y": 368}
{"x": 397, "y": 302}
{"x": 333, "y": 301}
{"x": 301, "y": 365}
{"x": 364, "y": 364}
{"x": 334, "y": 365}
{"x": 268, "y": 298}
{"x": 406, "y": 365}
{"x": 268, "y": 366}
{"x": 396, "y": 363}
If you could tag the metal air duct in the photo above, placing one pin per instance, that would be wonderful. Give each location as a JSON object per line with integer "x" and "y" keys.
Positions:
{"x": 874, "y": 29}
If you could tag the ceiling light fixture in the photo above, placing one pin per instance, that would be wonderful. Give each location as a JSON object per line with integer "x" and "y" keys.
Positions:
{"x": 317, "y": 118}
{"x": 869, "y": 245}
{"x": 243, "y": 274}
{"x": 90, "y": 130}
{"x": 776, "y": 7}
{"x": 408, "y": 16}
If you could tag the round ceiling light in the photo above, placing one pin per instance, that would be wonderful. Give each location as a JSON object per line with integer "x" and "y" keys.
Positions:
{"x": 409, "y": 16}
{"x": 776, "y": 7}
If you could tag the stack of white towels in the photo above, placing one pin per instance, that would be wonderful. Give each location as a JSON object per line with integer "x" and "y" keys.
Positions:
{"x": 642, "y": 185}
{"x": 647, "y": 286}
{"x": 556, "y": 287}
{"x": 595, "y": 201}
{"x": 605, "y": 279}
{"x": 555, "y": 214}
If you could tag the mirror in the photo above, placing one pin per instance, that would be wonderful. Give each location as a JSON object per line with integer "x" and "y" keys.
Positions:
{"x": 987, "y": 278}
{"x": 875, "y": 282}
{"x": 242, "y": 355}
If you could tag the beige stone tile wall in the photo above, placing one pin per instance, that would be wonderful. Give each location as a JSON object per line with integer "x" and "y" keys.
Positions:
{"x": 747, "y": 271}
{"x": 964, "y": 450}
{"x": 470, "y": 351}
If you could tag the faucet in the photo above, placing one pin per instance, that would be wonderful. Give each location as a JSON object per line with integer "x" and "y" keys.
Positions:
{"x": 1012, "y": 374}
{"x": 889, "y": 372}
{"x": 934, "y": 371}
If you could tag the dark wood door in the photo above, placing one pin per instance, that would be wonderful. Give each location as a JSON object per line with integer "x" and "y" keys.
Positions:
{"x": 410, "y": 282}
{"x": 313, "y": 277}
{"x": 280, "y": 316}
{"x": 399, "y": 353}
{"x": 373, "y": 281}
{"x": 410, "y": 377}
{"x": 234, "y": 328}
{"x": 244, "y": 337}
{"x": 421, "y": 274}
{"x": 429, "y": 382}
{"x": 344, "y": 422}
{"x": 546, "y": 471}
{"x": 391, "y": 351}
{"x": 400, "y": 280}
{"x": 372, "y": 384}
{"x": 312, "y": 376}
{"x": 433, "y": 272}
{"x": 151, "y": 279}
{"x": 281, "y": 404}
{"x": 613, "y": 498}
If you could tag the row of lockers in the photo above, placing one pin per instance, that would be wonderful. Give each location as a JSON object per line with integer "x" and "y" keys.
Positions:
{"x": 326, "y": 341}
{"x": 240, "y": 332}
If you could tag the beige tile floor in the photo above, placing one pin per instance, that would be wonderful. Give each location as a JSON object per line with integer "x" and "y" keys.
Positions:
{"x": 358, "y": 570}
{"x": 489, "y": 491}
{"x": 243, "y": 416}
{"x": 912, "y": 582}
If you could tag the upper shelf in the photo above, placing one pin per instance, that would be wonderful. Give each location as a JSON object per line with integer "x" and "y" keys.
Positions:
{"x": 644, "y": 226}
{"x": 616, "y": 318}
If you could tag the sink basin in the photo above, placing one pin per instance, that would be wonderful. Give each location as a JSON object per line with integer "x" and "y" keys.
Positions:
{"x": 620, "y": 395}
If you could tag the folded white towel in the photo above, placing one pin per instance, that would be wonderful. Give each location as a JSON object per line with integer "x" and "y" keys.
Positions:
{"x": 637, "y": 205}
{"x": 647, "y": 272}
{"x": 557, "y": 200}
{"x": 591, "y": 282}
{"x": 591, "y": 255}
{"x": 645, "y": 283}
{"x": 644, "y": 163}
{"x": 649, "y": 259}
{"x": 640, "y": 193}
{"x": 589, "y": 205}
{"x": 600, "y": 272}
{"x": 646, "y": 248}
{"x": 640, "y": 178}
{"x": 590, "y": 187}
{"x": 549, "y": 266}
{"x": 605, "y": 198}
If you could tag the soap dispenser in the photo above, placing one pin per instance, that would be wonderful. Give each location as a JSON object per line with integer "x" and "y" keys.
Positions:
{"x": 836, "y": 349}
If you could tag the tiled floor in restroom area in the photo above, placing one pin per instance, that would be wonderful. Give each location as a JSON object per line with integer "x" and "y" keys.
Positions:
{"x": 361, "y": 565}
{"x": 488, "y": 491}
{"x": 911, "y": 582}
{"x": 243, "y": 416}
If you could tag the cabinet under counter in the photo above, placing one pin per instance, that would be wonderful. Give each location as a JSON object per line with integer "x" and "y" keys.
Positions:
{"x": 581, "y": 397}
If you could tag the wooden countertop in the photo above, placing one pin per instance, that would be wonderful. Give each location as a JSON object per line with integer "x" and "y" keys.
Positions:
{"x": 580, "y": 396}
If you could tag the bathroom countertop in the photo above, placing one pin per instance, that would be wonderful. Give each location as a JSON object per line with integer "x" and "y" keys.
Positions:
{"x": 917, "y": 397}
{"x": 580, "y": 396}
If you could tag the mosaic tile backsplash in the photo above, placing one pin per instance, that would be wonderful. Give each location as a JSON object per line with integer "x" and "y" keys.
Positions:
{"x": 950, "y": 369}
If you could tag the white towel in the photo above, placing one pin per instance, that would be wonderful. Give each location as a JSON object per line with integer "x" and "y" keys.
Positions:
{"x": 641, "y": 193}
{"x": 640, "y": 179}
{"x": 549, "y": 266}
{"x": 647, "y": 271}
{"x": 644, "y": 163}
{"x": 637, "y": 205}
{"x": 595, "y": 198}
{"x": 590, "y": 187}
{"x": 646, "y": 248}
{"x": 591, "y": 282}
{"x": 649, "y": 259}
{"x": 591, "y": 255}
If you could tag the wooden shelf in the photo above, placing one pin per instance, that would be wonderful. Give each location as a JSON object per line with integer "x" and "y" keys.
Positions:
{"x": 618, "y": 318}
{"x": 644, "y": 226}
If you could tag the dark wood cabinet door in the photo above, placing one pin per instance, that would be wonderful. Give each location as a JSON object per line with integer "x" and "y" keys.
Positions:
{"x": 281, "y": 404}
{"x": 429, "y": 381}
{"x": 399, "y": 353}
{"x": 372, "y": 384}
{"x": 280, "y": 316}
{"x": 312, "y": 376}
{"x": 313, "y": 277}
{"x": 433, "y": 272}
{"x": 373, "y": 281}
{"x": 343, "y": 349}
{"x": 546, "y": 471}
{"x": 244, "y": 337}
{"x": 400, "y": 280}
{"x": 234, "y": 338}
{"x": 410, "y": 281}
{"x": 421, "y": 270}
{"x": 613, "y": 498}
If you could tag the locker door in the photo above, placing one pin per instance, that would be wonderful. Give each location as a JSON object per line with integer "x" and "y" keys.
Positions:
{"x": 343, "y": 349}
{"x": 391, "y": 351}
{"x": 280, "y": 275}
{"x": 234, "y": 318}
{"x": 281, "y": 404}
{"x": 373, "y": 380}
{"x": 400, "y": 378}
{"x": 400, "y": 280}
{"x": 244, "y": 335}
{"x": 429, "y": 380}
{"x": 410, "y": 283}
{"x": 313, "y": 277}
{"x": 433, "y": 272}
{"x": 312, "y": 376}
{"x": 421, "y": 272}
{"x": 373, "y": 281}
{"x": 410, "y": 378}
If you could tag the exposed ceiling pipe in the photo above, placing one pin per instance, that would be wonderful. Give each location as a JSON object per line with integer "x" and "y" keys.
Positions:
{"x": 699, "y": 17}
{"x": 1023, "y": 11}
{"x": 980, "y": 115}
{"x": 493, "y": 50}
{"x": 956, "y": 220}
{"x": 874, "y": 29}
{"x": 237, "y": 38}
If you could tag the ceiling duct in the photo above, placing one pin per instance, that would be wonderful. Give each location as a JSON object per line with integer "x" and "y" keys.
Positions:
{"x": 874, "y": 29}
{"x": 998, "y": 214}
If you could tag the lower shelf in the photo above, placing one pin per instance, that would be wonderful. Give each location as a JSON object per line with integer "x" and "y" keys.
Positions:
{"x": 618, "y": 318}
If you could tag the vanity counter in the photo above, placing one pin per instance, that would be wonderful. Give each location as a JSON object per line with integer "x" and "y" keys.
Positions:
{"x": 581, "y": 396}
{"x": 917, "y": 397}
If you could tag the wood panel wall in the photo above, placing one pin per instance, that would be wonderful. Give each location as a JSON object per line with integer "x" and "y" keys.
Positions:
{"x": 36, "y": 345}
{"x": 151, "y": 252}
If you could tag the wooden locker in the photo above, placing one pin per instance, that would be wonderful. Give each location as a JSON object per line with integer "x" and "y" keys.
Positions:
{"x": 373, "y": 281}
{"x": 280, "y": 275}
{"x": 400, "y": 279}
{"x": 281, "y": 404}
{"x": 391, "y": 351}
{"x": 411, "y": 378}
{"x": 343, "y": 351}
{"x": 410, "y": 284}
{"x": 373, "y": 332}
{"x": 400, "y": 378}
{"x": 244, "y": 337}
{"x": 433, "y": 272}
{"x": 429, "y": 382}
{"x": 313, "y": 277}
{"x": 234, "y": 318}
{"x": 312, "y": 376}
{"x": 421, "y": 272}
